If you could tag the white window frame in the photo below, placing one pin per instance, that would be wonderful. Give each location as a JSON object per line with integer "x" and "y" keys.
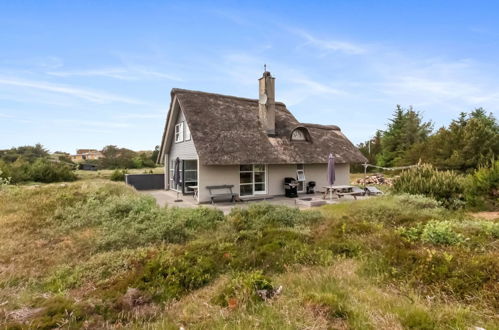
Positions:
{"x": 179, "y": 132}
{"x": 187, "y": 132}
{"x": 253, "y": 183}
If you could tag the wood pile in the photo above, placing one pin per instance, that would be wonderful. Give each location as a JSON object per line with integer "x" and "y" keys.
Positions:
{"x": 374, "y": 179}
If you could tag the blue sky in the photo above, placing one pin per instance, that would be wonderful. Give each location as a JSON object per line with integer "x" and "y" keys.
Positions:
{"x": 81, "y": 74}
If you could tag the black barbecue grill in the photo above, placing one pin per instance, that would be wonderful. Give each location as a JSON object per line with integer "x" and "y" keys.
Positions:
{"x": 290, "y": 187}
{"x": 311, "y": 187}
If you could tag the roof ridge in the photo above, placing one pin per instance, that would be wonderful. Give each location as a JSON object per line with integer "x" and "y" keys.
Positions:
{"x": 176, "y": 90}
{"x": 319, "y": 126}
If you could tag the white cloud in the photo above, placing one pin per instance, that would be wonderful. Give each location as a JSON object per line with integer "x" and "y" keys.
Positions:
{"x": 88, "y": 123}
{"x": 330, "y": 45}
{"x": 89, "y": 95}
{"x": 121, "y": 73}
{"x": 142, "y": 115}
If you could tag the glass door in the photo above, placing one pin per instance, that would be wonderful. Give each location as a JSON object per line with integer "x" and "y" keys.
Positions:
{"x": 252, "y": 180}
{"x": 259, "y": 177}
{"x": 190, "y": 175}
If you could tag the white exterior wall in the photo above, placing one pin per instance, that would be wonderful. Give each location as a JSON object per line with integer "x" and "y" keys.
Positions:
{"x": 216, "y": 175}
{"x": 318, "y": 173}
{"x": 276, "y": 175}
{"x": 212, "y": 175}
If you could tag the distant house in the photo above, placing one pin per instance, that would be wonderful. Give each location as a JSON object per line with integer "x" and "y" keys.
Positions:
{"x": 251, "y": 144}
{"x": 86, "y": 154}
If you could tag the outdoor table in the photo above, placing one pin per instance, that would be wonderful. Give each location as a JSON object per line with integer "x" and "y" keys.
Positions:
{"x": 195, "y": 189}
{"x": 336, "y": 190}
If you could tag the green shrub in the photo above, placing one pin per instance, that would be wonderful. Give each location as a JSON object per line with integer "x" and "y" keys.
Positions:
{"x": 482, "y": 188}
{"x": 434, "y": 232}
{"x": 417, "y": 318}
{"x": 41, "y": 170}
{"x": 444, "y": 186}
{"x": 451, "y": 271}
{"x": 263, "y": 215}
{"x": 17, "y": 171}
{"x": 118, "y": 175}
{"x": 172, "y": 275}
{"x": 245, "y": 288}
{"x": 440, "y": 232}
{"x": 58, "y": 311}
{"x": 4, "y": 181}
{"x": 480, "y": 227}
{"x": 335, "y": 303}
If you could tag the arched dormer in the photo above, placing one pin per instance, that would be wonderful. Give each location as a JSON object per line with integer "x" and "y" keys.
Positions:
{"x": 300, "y": 134}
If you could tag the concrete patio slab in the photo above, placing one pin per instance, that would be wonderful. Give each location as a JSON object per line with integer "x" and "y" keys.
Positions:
{"x": 167, "y": 198}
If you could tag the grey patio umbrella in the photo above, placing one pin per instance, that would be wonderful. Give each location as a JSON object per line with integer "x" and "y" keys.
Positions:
{"x": 330, "y": 170}
{"x": 176, "y": 176}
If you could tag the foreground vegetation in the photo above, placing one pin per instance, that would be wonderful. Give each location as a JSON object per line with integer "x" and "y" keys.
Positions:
{"x": 93, "y": 254}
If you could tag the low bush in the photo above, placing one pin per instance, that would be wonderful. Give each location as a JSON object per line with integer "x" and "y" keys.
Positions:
{"x": 244, "y": 289}
{"x": 444, "y": 186}
{"x": 433, "y": 232}
{"x": 440, "y": 232}
{"x": 41, "y": 170}
{"x": 333, "y": 302}
{"x": 118, "y": 175}
{"x": 4, "y": 181}
{"x": 482, "y": 188}
{"x": 263, "y": 215}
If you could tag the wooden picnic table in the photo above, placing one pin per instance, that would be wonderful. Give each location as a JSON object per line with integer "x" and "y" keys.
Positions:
{"x": 338, "y": 190}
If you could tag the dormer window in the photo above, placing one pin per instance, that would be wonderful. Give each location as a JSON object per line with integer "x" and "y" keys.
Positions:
{"x": 300, "y": 134}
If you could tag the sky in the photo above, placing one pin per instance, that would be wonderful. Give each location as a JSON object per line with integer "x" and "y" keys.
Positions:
{"x": 86, "y": 74}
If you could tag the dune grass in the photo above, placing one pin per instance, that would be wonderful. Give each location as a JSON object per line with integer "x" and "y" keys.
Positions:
{"x": 96, "y": 254}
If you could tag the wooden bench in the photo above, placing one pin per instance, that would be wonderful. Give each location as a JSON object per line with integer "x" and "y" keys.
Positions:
{"x": 222, "y": 192}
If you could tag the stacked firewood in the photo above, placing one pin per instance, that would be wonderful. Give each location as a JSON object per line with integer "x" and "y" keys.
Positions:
{"x": 374, "y": 179}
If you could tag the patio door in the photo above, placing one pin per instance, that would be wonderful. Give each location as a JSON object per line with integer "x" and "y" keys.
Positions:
{"x": 252, "y": 180}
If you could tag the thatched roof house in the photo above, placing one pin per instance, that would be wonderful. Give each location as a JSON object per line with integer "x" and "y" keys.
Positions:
{"x": 224, "y": 139}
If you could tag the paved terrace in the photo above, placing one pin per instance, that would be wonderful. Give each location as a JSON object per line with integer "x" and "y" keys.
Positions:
{"x": 167, "y": 197}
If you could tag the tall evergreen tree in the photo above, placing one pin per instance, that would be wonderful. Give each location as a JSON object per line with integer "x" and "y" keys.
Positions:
{"x": 406, "y": 129}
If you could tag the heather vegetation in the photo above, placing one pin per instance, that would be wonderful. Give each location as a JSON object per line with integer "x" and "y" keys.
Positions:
{"x": 99, "y": 255}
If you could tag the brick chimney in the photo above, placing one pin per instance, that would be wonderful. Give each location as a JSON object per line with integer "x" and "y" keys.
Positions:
{"x": 266, "y": 103}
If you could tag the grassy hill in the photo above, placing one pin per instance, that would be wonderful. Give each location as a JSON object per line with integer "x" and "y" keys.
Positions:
{"x": 93, "y": 254}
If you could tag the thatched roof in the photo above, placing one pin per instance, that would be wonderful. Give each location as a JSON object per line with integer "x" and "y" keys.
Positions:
{"x": 226, "y": 130}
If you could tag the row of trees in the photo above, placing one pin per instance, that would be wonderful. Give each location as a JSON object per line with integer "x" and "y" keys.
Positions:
{"x": 35, "y": 163}
{"x": 466, "y": 143}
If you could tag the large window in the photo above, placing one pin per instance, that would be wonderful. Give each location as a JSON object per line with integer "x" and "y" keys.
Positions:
{"x": 179, "y": 132}
{"x": 252, "y": 180}
{"x": 188, "y": 176}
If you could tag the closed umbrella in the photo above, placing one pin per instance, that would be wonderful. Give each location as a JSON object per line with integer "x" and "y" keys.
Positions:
{"x": 330, "y": 170}
{"x": 330, "y": 174}
{"x": 176, "y": 177}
